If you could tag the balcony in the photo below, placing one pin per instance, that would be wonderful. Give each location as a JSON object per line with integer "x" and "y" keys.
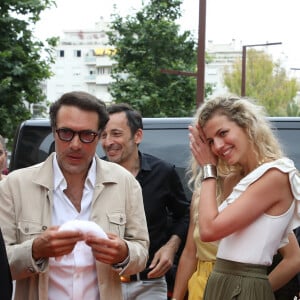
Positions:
{"x": 90, "y": 78}
{"x": 90, "y": 60}
{"x": 103, "y": 79}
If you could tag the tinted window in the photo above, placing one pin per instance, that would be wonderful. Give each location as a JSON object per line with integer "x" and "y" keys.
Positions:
{"x": 290, "y": 141}
{"x": 33, "y": 146}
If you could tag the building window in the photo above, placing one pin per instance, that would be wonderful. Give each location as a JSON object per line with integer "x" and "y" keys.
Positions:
{"x": 77, "y": 53}
{"x": 61, "y": 53}
{"x": 101, "y": 70}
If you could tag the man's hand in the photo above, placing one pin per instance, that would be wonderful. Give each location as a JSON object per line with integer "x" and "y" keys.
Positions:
{"x": 52, "y": 243}
{"x": 109, "y": 251}
{"x": 164, "y": 258}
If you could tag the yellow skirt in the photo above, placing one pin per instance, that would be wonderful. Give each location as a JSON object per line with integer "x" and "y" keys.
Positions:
{"x": 197, "y": 282}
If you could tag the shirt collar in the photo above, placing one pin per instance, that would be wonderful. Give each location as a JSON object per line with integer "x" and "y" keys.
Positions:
{"x": 59, "y": 180}
{"x": 145, "y": 166}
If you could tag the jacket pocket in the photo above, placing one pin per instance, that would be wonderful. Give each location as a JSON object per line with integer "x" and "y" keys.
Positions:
{"x": 29, "y": 229}
{"x": 117, "y": 221}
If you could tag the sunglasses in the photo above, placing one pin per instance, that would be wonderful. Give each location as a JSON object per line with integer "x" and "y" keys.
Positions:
{"x": 85, "y": 136}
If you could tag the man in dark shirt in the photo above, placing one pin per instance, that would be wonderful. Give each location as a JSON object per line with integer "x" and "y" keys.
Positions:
{"x": 164, "y": 201}
{"x": 291, "y": 290}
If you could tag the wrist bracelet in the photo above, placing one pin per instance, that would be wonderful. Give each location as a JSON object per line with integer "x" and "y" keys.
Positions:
{"x": 209, "y": 171}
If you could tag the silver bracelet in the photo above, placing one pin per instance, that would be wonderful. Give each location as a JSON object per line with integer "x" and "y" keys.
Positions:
{"x": 209, "y": 171}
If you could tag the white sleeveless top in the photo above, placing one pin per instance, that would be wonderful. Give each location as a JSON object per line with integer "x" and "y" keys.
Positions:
{"x": 258, "y": 242}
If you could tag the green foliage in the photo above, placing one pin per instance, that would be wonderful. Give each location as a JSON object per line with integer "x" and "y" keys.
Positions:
{"x": 266, "y": 81}
{"x": 24, "y": 61}
{"x": 146, "y": 43}
{"x": 293, "y": 109}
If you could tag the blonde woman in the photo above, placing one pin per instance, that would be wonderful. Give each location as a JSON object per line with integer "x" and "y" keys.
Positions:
{"x": 259, "y": 194}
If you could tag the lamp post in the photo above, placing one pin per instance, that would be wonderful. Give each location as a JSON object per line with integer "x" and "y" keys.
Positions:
{"x": 244, "y": 54}
{"x": 201, "y": 53}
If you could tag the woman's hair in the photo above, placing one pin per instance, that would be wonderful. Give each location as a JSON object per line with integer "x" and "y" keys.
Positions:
{"x": 247, "y": 115}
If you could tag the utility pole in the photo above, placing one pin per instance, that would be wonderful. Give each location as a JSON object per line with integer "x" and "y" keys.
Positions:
{"x": 201, "y": 53}
{"x": 200, "y": 74}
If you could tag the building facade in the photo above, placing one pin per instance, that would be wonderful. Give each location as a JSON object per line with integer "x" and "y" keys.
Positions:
{"x": 223, "y": 56}
{"x": 83, "y": 62}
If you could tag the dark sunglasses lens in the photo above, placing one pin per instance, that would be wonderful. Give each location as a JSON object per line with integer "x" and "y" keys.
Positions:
{"x": 65, "y": 134}
{"x": 87, "y": 136}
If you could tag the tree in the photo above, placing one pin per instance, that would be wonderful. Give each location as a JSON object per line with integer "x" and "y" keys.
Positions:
{"x": 293, "y": 109}
{"x": 21, "y": 63}
{"x": 146, "y": 43}
{"x": 266, "y": 81}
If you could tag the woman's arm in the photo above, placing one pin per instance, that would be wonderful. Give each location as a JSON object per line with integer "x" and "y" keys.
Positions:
{"x": 289, "y": 266}
{"x": 187, "y": 262}
{"x": 269, "y": 194}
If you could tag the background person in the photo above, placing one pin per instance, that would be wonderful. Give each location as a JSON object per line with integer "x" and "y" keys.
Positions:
{"x": 163, "y": 196}
{"x": 260, "y": 195}
{"x": 73, "y": 184}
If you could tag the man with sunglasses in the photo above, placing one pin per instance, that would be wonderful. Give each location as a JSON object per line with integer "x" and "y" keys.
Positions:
{"x": 73, "y": 184}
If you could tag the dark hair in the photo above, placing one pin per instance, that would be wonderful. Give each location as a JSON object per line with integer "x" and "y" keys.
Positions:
{"x": 82, "y": 100}
{"x": 134, "y": 118}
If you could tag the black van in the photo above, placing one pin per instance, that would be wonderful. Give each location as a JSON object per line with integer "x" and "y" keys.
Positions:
{"x": 166, "y": 138}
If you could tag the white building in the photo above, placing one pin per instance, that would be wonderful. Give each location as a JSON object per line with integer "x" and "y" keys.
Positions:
{"x": 223, "y": 55}
{"x": 83, "y": 62}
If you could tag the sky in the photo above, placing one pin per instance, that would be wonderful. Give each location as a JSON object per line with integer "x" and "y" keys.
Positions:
{"x": 247, "y": 21}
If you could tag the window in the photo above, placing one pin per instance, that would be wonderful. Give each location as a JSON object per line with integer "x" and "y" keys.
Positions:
{"x": 101, "y": 70}
{"x": 77, "y": 53}
{"x": 61, "y": 53}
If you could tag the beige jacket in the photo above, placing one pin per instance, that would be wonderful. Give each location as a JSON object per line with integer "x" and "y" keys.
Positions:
{"x": 26, "y": 197}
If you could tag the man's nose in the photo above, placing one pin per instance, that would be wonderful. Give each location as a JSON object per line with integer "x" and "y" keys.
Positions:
{"x": 75, "y": 142}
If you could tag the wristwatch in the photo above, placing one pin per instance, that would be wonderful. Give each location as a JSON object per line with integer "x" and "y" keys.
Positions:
{"x": 122, "y": 264}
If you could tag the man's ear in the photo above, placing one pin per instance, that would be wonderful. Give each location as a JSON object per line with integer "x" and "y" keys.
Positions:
{"x": 138, "y": 136}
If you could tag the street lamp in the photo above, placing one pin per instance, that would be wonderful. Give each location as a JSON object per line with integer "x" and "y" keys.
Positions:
{"x": 243, "y": 85}
{"x": 295, "y": 69}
